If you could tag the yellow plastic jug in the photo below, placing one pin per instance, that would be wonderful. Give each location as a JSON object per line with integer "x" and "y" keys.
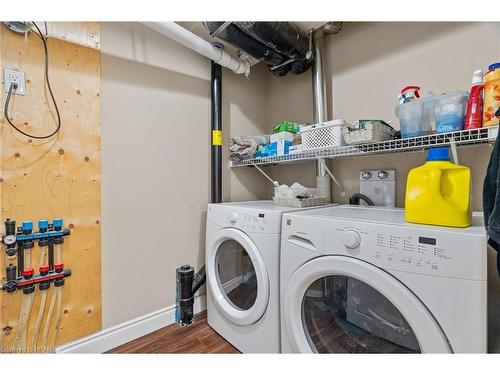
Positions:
{"x": 438, "y": 192}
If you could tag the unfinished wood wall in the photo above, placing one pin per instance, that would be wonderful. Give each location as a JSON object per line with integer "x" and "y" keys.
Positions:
{"x": 59, "y": 177}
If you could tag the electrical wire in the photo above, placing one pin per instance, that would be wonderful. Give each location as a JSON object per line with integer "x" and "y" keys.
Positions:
{"x": 13, "y": 86}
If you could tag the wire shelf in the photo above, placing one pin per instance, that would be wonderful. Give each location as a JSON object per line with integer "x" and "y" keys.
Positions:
{"x": 460, "y": 138}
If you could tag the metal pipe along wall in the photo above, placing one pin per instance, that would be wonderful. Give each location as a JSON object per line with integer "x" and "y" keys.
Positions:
{"x": 216, "y": 120}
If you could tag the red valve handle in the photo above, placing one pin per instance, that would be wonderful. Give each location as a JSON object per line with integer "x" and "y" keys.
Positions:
{"x": 28, "y": 272}
{"x": 58, "y": 267}
{"x": 44, "y": 270}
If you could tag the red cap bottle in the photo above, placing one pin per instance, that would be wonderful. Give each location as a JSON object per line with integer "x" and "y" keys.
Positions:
{"x": 474, "y": 113}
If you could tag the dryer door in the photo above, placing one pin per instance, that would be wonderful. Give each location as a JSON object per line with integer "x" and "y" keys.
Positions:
{"x": 237, "y": 277}
{"x": 338, "y": 304}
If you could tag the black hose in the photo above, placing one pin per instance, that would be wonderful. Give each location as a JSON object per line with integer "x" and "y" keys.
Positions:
{"x": 198, "y": 280}
{"x": 354, "y": 199}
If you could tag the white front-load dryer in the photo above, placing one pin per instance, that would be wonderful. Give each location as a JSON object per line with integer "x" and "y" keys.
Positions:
{"x": 242, "y": 267}
{"x": 362, "y": 280}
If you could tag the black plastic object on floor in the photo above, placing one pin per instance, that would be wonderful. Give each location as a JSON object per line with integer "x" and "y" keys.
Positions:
{"x": 282, "y": 45}
{"x": 185, "y": 297}
{"x": 188, "y": 284}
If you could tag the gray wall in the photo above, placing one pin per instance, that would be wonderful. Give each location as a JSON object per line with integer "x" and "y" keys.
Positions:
{"x": 156, "y": 163}
{"x": 155, "y": 136}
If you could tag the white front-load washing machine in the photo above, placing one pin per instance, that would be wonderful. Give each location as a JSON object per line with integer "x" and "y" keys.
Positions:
{"x": 242, "y": 268}
{"x": 362, "y": 280}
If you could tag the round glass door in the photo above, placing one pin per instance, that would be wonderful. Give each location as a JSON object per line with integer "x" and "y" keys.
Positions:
{"x": 339, "y": 304}
{"x": 237, "y": 276}
{"x": 342, "y": 314}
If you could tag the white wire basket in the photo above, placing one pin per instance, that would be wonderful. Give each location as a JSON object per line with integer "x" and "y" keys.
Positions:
{"x": 323, "y": 135}
{"x": 300, "y": 203}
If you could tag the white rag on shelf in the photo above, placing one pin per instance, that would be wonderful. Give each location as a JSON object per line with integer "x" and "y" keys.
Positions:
{"x": 245, "y": 147}
{"x": 294, "y": 191}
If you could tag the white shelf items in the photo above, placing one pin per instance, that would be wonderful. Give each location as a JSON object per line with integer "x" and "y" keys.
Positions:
{"x": 459, "y": 138}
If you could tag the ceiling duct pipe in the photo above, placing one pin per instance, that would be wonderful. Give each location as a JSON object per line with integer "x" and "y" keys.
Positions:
{"x": 319, "y": 96}
{"x": 282, "y": 45}
{"x": 318, "y": 74}
{"x": 318, "y": 78}
{"x": 194, "y": 42}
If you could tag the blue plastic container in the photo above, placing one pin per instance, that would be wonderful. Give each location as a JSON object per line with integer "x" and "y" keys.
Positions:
{"x": 450, "y": 111}
{"x": 413, "y": 119}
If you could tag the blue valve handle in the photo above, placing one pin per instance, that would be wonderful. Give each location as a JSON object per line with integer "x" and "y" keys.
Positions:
{"x": 58, "y": 222}
{"x": 43, "y": 224}
{"x": 43, "y": 233}
{"x": 27, "y": 225}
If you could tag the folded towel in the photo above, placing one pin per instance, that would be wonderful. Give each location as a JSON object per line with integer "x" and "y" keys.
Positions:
{"x": 245, "y": 147}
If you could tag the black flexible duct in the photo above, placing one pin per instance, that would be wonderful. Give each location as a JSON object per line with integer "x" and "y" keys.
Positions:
{"x": 284, "y": 37}
{"x": 280, "y": 44}
{"x": 234, "y": 36}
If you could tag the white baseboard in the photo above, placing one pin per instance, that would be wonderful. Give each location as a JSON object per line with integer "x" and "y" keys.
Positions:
{"x": 120, "y": 334}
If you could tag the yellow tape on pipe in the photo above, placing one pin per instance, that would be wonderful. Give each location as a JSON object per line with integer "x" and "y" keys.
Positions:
{"x": 216, "y": 137}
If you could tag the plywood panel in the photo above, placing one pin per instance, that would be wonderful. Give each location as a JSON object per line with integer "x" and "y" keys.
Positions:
{"x": 56, "y": 177}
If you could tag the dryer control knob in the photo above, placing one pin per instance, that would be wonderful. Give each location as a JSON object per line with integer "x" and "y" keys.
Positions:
{"x": 352, "y": 239}
{"x": 233, "y": 217}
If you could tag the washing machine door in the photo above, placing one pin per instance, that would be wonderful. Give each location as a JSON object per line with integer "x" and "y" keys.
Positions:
{"x": 237, "y": 277}
{"x": 339, "y": 304}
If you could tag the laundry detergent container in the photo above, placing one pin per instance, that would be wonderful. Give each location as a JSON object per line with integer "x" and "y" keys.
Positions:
{"x": 414, "y": 120}
{"x": 450, "y": 111}
{"x": 438, "y": 192}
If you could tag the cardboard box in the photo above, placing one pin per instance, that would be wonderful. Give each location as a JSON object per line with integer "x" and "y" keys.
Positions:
{"x": 282, "y": 136}
{"x": 295, "y": 149}
{"x": 279, "y": 148}
{"x": 286, "y": 126}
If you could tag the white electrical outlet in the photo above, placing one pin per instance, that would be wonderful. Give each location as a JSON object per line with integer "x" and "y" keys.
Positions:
{"x": 14, "y": 76}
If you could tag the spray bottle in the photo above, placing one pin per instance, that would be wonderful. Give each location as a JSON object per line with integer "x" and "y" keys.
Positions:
{"x": 474, "y": 113}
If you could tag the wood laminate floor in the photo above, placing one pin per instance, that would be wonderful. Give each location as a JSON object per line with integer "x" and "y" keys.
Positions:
{"x": 197, "y": 338}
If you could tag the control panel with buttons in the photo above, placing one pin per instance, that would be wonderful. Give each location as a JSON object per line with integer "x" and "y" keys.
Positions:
{"x": 406, "y": 248}
{"x": 255, "y": 222}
